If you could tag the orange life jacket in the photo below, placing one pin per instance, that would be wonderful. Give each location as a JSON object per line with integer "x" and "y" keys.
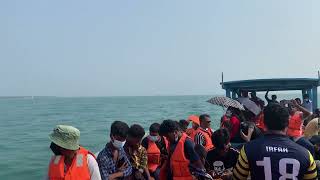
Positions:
{"x": 207, "y": 136}
{"x": 179, "y": 163}
{"x": 295, "y": 125}
{"x": 153, "y": 156}
{"x": 77, "y": 171}
{"x": 260, "y": 122}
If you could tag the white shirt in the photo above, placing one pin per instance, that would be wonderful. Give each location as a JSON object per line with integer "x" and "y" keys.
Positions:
{"x": 307, "y": 105}
{"x": 93, "y": 168}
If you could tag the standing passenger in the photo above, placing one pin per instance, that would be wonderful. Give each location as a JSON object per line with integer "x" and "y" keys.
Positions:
{"x": 274, "y": 156}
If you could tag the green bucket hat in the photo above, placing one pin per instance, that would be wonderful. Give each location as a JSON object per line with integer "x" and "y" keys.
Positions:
{"x": 66, "y": 137}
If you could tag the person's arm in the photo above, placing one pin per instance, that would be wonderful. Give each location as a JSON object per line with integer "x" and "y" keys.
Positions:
{"x": 312, "y": 169}
{"x": 247, "y": 137}
{"x": 192, "y": 155}
{"x": 128, "y": 169}
{"x": 144, "y": 162}
{"x": 93, "y": 168}
{"x": 103, "y": 166}
{"x": 241, "y": 170}
{"x": 302, "y": 109}
{"x": 146, "y": 170}
{"x": 266, "y": 96}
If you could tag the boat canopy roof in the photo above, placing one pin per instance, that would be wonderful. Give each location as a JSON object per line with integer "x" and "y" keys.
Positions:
{"x": 305, "y": 85}
{"x": 279, "y": 84}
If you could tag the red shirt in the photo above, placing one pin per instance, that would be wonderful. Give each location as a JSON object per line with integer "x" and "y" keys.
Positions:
{"x": 234, "y": 123}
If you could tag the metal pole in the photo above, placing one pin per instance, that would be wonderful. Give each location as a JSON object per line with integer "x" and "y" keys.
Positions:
{"x": 303, "y": 93}
{"x": 234, "y": 95}
{"x": 314, "y": 98}
{"x": 228, "y": 92}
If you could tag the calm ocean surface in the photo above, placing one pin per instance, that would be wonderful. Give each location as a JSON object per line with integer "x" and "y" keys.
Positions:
{"x": 25, "y": 124}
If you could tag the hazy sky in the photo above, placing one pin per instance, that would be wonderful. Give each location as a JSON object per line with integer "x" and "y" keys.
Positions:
{"x": 107, "y": 48}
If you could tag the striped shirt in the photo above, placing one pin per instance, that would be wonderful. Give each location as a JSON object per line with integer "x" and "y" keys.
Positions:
{"x": 199, "y": 137}
{"x": 274, "y": 157}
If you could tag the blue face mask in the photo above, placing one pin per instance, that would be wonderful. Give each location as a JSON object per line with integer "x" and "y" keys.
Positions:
{"x": 118, "y": 144}
{"x": 153, "y": 138}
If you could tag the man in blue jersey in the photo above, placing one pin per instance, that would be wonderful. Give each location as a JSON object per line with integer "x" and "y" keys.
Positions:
{"x": 275, "y": 156}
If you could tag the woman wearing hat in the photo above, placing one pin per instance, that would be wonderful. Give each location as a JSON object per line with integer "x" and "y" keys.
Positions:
{"x": 70, "y": 161}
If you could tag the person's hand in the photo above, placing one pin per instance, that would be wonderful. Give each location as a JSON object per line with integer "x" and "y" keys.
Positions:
{"x": 116, "y": 175}
{"x": 244, "y": 137}
{"x": 294, "y": 102}
{"x": 227, "y": 174}
{"x": 123, "y": 167}
{"x": 138, "y": 175}
{"x": 151, "y": 178}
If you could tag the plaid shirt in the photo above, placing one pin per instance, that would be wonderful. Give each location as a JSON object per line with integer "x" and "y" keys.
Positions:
{"x": 107, "y": 165}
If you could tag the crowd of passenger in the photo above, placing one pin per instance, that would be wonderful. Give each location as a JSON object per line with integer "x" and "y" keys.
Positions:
{"x": 281, "y": 142}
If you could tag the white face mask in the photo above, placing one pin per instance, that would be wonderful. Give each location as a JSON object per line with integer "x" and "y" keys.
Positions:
{"x": 118, "y": 144}
{"x": 153, "y": 138}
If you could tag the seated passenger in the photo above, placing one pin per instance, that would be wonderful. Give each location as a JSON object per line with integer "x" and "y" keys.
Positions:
{"x": 156, "y": 146}
{"x": 191, "y": 132}
{"x": 182, "y": 155}
{"x": 136, "y": 153}
{"x": 223, "y": 157}
{"x": 112, "y": 160}
{"x": 67, "y": 155}
{"x": 204, "y": 132}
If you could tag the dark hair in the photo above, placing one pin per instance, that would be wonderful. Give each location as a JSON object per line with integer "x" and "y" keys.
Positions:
{"x": 136, "y": 131}
{"x": 274, "y": 97}
{"x": 305, "y": 96}
{"x": 203, "y": 117}
{"x": 183, "y": 124}
{"x": 298, "y": 100}
{"x": 276, "y": 117}
{"x": 168, "y": 126}
{"x": 154, "y": 127}
{"x": 220, "y": 138}
{"x": 119, "y": 128}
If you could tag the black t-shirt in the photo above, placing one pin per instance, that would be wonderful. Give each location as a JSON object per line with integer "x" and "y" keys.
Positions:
{"x": 216, "y": 162}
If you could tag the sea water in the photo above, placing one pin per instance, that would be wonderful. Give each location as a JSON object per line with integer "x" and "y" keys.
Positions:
{"x": 26, "y": 122}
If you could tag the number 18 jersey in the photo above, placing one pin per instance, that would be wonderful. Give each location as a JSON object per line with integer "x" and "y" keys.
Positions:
{"x": 274, "y": 157}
